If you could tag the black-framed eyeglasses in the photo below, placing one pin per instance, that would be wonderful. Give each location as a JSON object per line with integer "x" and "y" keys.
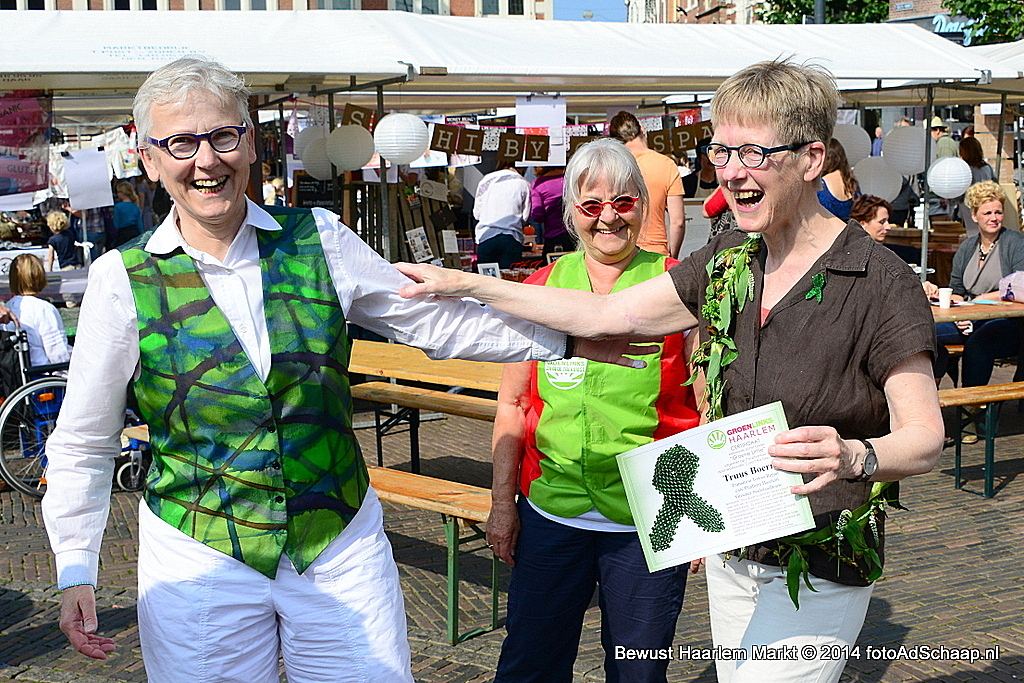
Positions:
{"x": 185, "y": 145}
{"x": 750, "y": 155}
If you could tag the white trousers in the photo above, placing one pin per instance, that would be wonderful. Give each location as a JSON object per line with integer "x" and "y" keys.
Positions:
{"x": 750, "y": 606}
{"x": 204, "y": 616}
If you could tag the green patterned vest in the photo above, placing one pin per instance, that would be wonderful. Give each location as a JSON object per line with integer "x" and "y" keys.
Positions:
{"x": 250, "y": 468}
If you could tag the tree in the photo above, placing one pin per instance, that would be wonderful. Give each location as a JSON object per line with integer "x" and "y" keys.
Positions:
{"x": 836, "y": 11}
{"x": 996, "y": 21}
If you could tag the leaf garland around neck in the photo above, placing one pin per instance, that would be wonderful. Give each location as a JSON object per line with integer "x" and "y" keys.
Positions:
{"x": 730, "y": 286}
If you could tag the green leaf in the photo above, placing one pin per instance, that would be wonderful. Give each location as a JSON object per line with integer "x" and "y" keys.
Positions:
{"x": 725, "y": 313}
{"x": 793, "y": 570}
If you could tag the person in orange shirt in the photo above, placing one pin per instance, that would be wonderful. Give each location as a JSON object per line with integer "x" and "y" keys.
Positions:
{"x": 663, "y": 185}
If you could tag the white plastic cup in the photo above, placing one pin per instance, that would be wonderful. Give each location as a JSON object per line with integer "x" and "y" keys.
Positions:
{"x": 945, "y": 297}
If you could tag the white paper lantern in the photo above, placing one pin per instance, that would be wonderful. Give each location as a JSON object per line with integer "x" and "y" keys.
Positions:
{"x": 903, "y": 148}
{"x": 949, "y": 177}
{"x": 878, "y": 178}
{"x": 306, "y": 136}
{"x": 854, "y": 140}
{"x": 401, "y": 138}
{"x": 350, "y": 147}
{"x": 315, "y": 161}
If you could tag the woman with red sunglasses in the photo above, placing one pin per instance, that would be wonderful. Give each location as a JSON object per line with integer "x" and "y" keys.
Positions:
{"x": 558, "y": 429}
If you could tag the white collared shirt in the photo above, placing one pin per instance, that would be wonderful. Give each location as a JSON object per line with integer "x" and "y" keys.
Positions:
{"x": 105, "y": 359}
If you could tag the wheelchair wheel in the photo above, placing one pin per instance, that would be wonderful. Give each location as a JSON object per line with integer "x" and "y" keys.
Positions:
{"x": 131, "y": 475}
{"x": 27, "y": 418}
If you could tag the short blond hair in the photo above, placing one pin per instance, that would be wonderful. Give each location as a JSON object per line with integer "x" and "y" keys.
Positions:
{"x": 982, "y": 193}
{"x": 799, "y": 102}
{"x": 57, "y": 221}
{"x": 26, "y": 275}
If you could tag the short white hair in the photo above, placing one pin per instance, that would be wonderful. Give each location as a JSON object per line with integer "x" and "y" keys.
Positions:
{"x": 605, "y": 158}
{"x": 182, "y": 78}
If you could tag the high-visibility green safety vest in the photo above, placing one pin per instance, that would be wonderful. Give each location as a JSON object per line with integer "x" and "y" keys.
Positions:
{"x": 582, "y": 414}
{"x": 253, "y": 469}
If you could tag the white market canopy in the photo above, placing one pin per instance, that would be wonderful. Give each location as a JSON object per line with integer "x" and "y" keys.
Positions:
{"x": 454, "y": 63}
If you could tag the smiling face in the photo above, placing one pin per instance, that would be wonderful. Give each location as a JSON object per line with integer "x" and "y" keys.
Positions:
{"x": 989, "y": 217}
{"x": 878, "y": 226}
{"x": 764, "y": 199}
{"x": 208, "y": 189}
{"x": 610, "y": 237}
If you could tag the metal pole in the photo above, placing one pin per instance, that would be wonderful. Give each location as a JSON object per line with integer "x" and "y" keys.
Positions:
{"x": 385, "y": 227}
{"x": 999, "y": 138}
{"x": 925, "y": 192}
{"x": 819, "y": 11}
{"x": 282, "y": 142}
{"x": 334, "y": 170}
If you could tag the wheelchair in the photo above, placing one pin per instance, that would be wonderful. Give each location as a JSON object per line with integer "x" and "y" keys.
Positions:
{"x": 32, "y": 397}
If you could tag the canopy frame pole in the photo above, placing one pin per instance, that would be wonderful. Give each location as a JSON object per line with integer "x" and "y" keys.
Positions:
{"x": 1000, "y": 134}
{"x": 334, "y": 169}
{"x": 282, "y": 143}
{"x": 385, "y": 221}
{"x": 926, "y": 191}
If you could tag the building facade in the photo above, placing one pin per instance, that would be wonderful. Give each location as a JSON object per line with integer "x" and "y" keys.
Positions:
{"x": 690, "y": 11}
{"x": 526, "y": 9}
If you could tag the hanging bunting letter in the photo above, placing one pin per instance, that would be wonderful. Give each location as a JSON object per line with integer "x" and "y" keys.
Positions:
{"x": 358, "y": 116}
{"x": 511, "y": 146}
{"x": 471, "y": 142}
{"x": 445, "y": 138}
{"x": 682, "y": 139}
{"x": 537, "y": 147}
{"x": 660, "y": 141}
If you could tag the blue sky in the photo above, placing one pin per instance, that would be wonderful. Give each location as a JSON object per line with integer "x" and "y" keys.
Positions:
{"x": 604, "y": 10}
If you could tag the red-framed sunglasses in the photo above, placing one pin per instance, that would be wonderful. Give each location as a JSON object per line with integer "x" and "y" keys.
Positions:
{"x": 620, "y": 205}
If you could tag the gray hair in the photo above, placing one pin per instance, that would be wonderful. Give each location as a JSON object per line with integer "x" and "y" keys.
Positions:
{"x": 605, "y": 158}
{"x": 182, "y": 78}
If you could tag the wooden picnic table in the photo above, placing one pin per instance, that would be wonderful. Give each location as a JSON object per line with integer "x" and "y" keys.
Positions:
{"x": 397, "y": 361}
{"x": 975, "y": 311}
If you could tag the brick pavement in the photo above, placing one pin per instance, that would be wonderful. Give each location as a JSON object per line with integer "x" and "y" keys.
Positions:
{"x": 954, "y": 579}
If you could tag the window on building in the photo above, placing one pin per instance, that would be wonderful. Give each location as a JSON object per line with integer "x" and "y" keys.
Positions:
{"x": 148, "y": 4}
{"x": 257, "y": 4}
{"x": 334, "y": 4}
{"x": 404, "y": 6}
{"x": 122, "y": 5}
{"x": 515, "y": 7}
{"x": 8, "y": 4}
{"x": 430, "y": 7}
{"x": 35, "y": 4}
{"x": 232, "y": 4}
{"x": 489, "y": 7}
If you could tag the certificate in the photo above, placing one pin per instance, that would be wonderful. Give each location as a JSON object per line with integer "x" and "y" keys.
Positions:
{"x": 712, "y": 489}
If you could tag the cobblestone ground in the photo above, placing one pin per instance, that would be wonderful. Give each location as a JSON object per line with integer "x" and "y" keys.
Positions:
{"x": 954, "y": 579}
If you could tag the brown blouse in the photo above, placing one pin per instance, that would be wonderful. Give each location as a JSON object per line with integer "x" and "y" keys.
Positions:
{"x": 826, "y": 362}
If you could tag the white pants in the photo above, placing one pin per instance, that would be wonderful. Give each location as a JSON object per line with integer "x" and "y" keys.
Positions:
{"x": 204, "y": 616}
{"x": 749, "y": 605}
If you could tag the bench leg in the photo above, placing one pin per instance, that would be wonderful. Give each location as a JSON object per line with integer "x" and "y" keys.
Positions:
{"x": 494, "y": 592}
{"x": 957, "y": 481}
{"x": 379, "y": 436}
{"x": 451, "y": 534}
{"x": 414, "y": 440}
{"x": 991, "y": 421}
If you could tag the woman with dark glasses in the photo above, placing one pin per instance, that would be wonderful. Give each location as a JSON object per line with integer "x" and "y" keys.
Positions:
{"x": 558, "y": 429}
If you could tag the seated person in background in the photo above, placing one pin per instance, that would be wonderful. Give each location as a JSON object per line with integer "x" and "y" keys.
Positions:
{"x": 980, "y": 262}
{"x": 62, "y": 244}
{"x": 873, "y": 214}
{"x": 838, "y": 186}
{"x": 41, "y": 321}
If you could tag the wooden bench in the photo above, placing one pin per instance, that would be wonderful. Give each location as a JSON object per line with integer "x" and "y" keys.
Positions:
{"x": 991, "y": 397}
{"x": 460, "y": 505}
{"x": 410, "y": 401}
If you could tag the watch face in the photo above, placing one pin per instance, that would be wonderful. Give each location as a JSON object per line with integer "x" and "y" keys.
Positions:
{"x": 870, "y": 463}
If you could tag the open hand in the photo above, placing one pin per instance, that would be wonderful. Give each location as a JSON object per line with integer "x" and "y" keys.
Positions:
{"x": 813, "y": 450}
{"x": 78, "y": 622}
{"x": 433, "y": 280}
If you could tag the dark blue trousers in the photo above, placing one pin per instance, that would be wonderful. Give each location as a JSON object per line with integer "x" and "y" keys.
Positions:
{"x": 556, "y": 571}
{"x": 991, "y": 339}
{"x": 503, "y": 249}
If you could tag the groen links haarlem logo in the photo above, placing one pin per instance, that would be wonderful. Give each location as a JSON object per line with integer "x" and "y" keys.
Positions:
{"x": 717, "y": 439}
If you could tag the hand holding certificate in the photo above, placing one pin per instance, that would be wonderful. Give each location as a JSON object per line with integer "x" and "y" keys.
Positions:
{"x": 712, "y": 488}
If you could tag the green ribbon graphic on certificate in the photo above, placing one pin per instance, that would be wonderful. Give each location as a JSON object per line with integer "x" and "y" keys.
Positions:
{"x": 674, "y": 473}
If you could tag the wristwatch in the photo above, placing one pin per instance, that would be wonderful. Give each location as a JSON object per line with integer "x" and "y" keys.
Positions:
{"x": 869, "y": 464}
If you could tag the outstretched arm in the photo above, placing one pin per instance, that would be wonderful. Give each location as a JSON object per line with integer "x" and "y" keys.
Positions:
{"x": 647, "y": 310}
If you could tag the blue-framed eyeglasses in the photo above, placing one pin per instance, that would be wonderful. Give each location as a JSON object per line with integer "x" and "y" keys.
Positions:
{"x": 185, "y": 145}
{"x": 750, "y": 155}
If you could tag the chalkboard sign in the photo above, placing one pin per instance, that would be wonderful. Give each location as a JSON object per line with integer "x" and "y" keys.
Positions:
{"x": 309, "y": 192}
